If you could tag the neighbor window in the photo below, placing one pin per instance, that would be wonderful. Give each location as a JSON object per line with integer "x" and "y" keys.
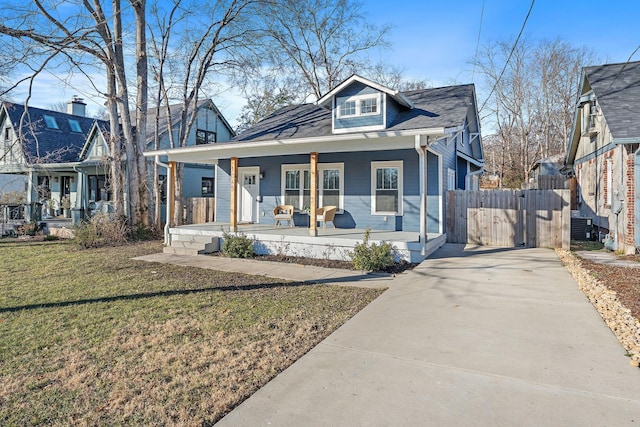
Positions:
{"x": 386, "y": 188}
{"x": 451, "y": 179}
{"x": 75, "y": 126}
{"x": 50, "y": 122}
{"x": 297, "y": 185}
{"x": 162, "y": 184}
{"x": 207, "y": 187}
{"x": 7, "y": 133}
{"x": 205, "y": 137}
{"x": 609, "y": 177}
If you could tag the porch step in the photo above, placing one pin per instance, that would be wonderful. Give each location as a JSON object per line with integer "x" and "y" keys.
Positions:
{"x": 192, "y": 245}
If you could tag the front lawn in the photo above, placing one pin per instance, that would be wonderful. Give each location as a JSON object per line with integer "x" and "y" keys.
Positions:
{"x": 94, "y": 338}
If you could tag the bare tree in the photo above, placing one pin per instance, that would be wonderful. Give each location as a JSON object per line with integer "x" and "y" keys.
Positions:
{"x": 321, "y": 42}
{"x": 531, "y": 105}
{"x": 95, "y": 35}
{"x": 189, "y": 43}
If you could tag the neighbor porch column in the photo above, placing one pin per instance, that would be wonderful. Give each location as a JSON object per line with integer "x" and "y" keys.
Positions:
{"x": 170, "y": 192}
{"x": 233, "y": 221}
{"x": 313, "y": 229}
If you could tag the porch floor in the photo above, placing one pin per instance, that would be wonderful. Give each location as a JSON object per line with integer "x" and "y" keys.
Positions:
{"x": 333, "y": 243}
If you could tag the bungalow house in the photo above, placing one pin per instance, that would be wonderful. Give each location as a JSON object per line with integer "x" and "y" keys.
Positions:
{"x": 383, "y": 158}
{"x": 604, "y": 152}
{"x": 64, "y": 155}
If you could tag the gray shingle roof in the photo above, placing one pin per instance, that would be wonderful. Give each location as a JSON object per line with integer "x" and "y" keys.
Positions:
{"x": 42, "y": 144}
{"x": 435, "y": 107}
{"x": 617, "y": 89}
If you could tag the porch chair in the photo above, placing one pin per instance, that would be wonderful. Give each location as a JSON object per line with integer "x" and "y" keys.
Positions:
{"x": 283, "y": 213}
{"x": 325, "y": 215}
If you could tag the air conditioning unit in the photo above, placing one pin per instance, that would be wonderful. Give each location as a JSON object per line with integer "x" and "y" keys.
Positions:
{"x": 581, "y": 228}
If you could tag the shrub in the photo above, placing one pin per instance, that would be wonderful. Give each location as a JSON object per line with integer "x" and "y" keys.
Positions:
{"x": 237, "y": 245}
{"x": 50, "y": 238}
{"x": 372, "y": 257}
{"x": 101, "y": 230}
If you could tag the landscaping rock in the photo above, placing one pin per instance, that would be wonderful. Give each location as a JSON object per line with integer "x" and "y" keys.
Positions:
{"x": 618, "y": 317}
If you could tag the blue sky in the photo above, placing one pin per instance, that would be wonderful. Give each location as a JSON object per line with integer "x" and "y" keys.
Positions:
{"x": 434, "y": 40}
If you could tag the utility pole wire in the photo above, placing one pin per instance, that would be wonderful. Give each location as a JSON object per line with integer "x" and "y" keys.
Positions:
{"x": 515, "y": 44}
{"x": 623, "y": 66}
{"x": 475, "y": 59}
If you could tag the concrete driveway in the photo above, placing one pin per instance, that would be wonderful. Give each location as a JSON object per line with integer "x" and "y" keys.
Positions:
{"x": 486, "y": 337}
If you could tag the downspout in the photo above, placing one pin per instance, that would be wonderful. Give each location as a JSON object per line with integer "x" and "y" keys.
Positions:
{"x": 471, "y": 174}
{"x": 636, "y": 199}
{"x": 422, "y": 163}
{"x": 169, "y": 190}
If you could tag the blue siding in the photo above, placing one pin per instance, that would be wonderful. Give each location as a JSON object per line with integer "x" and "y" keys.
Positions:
{"x": 393, "y": 109}
{"x": 433, "y": 195}
{"x": 357, "y": 187}
{"x": 223, "y": 191}
{"x": 354, "y": 89}
{"x": 192, "y": 181}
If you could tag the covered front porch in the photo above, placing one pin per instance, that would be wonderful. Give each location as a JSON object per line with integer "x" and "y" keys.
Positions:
{"x": 329, "y": 243}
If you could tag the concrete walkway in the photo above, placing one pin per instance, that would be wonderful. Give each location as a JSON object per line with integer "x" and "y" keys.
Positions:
{"x": 276, "y": 270}
{"x": 469, "y": 338}
{"x": 608, "y": 258}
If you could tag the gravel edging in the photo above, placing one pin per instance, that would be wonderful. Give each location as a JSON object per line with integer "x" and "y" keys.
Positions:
{"x": 619, "y": 319}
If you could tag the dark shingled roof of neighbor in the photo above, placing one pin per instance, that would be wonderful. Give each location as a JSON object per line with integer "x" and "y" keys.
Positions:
{"x": 433, "y": 108}
{"x": 617, "y": 89}
{"x": 46, "y": 145}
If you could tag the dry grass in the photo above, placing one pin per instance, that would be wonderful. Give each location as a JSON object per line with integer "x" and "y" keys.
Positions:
{"x": 94, "y": 338}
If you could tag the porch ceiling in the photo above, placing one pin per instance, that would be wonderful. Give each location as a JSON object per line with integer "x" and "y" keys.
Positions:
{"x": 375, "y": 141}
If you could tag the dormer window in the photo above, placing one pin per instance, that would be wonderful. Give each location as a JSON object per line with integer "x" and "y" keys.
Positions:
{"x": 359, "y": 105}
{"x": 348, "y": 109}
{"x": 369, "y": 106}
{"x": 50, "y": 122}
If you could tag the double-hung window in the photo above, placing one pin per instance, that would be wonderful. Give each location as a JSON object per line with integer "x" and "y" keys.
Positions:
{"x": 296, "y": 185}
{"x": 359, "y": 105}
{"x": 386, "y": 188}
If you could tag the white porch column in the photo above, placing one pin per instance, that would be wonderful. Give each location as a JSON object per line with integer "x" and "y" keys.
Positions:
{"x": 313, "y": 228}
{"x": 422, "y": 168}
{"x": 233, "y": 220}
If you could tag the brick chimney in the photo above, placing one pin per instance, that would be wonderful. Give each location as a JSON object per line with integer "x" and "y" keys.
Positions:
{"x": 76, "y": 106}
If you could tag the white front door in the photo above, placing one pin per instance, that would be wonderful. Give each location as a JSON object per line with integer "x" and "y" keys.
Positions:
{"x": 248, "y": 179}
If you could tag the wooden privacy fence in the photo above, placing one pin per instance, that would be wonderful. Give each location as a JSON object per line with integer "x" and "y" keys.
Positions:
{"x": 199, "y": 210}
{"x": 532, "y": 218}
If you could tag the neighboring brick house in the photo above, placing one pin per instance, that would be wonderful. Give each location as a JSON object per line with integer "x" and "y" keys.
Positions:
{"x": 604, "y": 152}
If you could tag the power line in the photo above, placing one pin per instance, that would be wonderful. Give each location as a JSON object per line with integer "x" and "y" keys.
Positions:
{"x": 515, "y": 44}
{"x": 623, "y": 67}
{"x": 475, "y": 59}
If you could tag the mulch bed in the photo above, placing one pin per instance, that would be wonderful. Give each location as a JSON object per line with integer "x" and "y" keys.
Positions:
{"x": 397, "y": 268}
{"x": 624, "y": 280}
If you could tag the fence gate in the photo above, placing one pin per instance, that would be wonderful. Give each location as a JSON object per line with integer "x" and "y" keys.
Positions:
{"x": 199, "y": 210}
{"x": 531, "y": 218}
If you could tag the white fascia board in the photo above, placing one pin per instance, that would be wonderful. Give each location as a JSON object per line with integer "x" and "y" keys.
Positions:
{"x": 328, "y": 144}
{"x": 626, "y": 141}
{"x": 397, "y": 95}
{"x": 469, "y": 159}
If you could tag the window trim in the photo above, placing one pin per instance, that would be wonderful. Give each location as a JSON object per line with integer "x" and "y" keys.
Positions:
{"x": 384, "y": 165}
{"x": 451, "y": 174}
{"x": 307, "y": 167}
{"x": 358, "y": 100}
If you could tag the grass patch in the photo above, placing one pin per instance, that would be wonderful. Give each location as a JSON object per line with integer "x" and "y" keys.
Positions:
{"x": 586, "y": 245}
{"x": 91, "y": 337}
